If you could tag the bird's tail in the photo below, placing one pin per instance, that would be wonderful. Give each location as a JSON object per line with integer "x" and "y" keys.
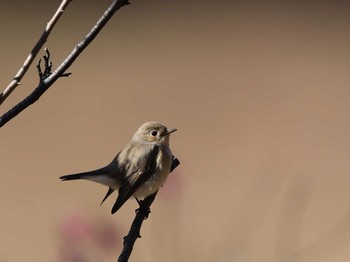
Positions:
{"x": 101, "y": 175}
{"x": 84, "y": 175}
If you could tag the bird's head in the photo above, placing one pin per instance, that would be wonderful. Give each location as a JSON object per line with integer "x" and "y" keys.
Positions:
{"x": 154, "y": 133}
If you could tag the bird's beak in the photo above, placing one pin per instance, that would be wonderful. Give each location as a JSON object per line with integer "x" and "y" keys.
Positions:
{"x": 170, "y": 130}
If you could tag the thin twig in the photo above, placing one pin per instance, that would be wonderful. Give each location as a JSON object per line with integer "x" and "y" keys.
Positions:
{"x": 60, "y": 71}
{"x": 141, "y": 214}
{"x": 23, "y": 70}
{"x": 47, "y": 67}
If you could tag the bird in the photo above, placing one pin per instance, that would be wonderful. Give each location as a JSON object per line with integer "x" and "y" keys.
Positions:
{"x": 139, "y": 169}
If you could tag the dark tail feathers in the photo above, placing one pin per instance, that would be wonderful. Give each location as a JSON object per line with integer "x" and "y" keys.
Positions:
{"x": 76, "y": 176}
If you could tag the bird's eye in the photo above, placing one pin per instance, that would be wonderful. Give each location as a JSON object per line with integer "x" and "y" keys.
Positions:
{"x": 154, "y": 133}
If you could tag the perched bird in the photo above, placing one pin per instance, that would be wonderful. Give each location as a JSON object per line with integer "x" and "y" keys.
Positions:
{"x": 138, "y": 170}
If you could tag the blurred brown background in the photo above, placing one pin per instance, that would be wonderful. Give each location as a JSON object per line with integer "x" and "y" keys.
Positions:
{"x": 259, "y": 93}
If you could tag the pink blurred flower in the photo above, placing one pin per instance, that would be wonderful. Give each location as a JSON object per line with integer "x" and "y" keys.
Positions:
{"x": 75, "y": 227}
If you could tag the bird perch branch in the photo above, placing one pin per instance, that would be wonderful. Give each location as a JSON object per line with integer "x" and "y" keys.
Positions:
{"x": 141, "y": 214}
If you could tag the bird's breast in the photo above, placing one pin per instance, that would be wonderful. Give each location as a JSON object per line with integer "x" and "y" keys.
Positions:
{"x": 164, "y": 160}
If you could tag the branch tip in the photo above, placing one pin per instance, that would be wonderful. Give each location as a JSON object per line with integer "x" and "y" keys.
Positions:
{"x": 65, "y": 74}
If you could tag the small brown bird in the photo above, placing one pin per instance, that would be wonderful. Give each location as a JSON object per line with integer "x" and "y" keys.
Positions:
{"x": 139, "y": 170}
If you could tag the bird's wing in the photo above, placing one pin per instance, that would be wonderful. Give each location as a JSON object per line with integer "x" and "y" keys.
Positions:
{"x": 145, "y": 168}
{"x": 109, "y": 192}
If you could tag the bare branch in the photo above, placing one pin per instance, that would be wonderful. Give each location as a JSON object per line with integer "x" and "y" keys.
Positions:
{"x": 141, "y": 214}
{"x": 23, "y": 70}
{"x": 61, "y": 70}
{"x": 47, "y": 67}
